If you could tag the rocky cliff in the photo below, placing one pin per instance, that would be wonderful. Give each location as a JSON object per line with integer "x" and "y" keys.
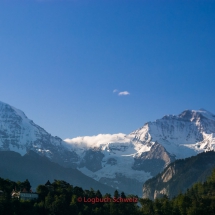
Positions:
{"x": 180, "y": 175}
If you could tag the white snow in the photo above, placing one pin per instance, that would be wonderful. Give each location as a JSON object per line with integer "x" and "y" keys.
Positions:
{"x": 20, "y": 132}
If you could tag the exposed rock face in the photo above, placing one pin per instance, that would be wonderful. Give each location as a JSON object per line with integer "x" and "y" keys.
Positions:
{"x": 158, "y": 194}
{"x": 160, "y": 184}
{"x": 153, "y": 161}
{"x": 180, "y": 175}
{"x": 168, "y": 174}
{"x": 92, "y": 160}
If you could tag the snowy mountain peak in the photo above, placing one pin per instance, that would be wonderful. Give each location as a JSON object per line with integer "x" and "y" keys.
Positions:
{"x": 20, "y": 134}
{"x": 7, "y": 110}
{"x": 196, "y": 114}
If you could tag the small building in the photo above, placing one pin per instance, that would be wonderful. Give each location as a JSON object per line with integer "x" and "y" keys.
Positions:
{"x": 28, "y": 196}
{"x": 24, "y": 195}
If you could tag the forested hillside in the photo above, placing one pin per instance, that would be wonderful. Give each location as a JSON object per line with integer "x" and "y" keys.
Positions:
{"x": 180, "y": 175}
{"x": 62, "y": 198}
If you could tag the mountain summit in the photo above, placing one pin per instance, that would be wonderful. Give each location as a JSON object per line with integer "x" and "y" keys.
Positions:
{"x": 190, "y": 132}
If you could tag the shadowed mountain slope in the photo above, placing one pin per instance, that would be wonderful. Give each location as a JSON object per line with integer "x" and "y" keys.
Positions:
{"x": 180, "y": 175}
{"x": 38, "y": 169}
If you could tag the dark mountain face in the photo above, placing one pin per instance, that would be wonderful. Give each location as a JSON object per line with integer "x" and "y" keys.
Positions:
{"x": 92, "y": 160}
{"x": 39, "y": 169}
{"x": 180, "y": 175}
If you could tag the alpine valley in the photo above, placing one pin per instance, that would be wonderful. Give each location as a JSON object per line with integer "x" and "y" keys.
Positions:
{"x": 120, "y": 161}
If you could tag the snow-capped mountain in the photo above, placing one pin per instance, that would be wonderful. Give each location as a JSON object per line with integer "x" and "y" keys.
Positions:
{"x": 19, "y": 134}
{"x": 188, "y": 133}
{"x": 118, "y": 160}
{"x": 126, "y": 161}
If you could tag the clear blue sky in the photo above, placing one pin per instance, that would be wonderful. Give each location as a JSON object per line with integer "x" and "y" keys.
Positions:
{"x": 60, "y": 61}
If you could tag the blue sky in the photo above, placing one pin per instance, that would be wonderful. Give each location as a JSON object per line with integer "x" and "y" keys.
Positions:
{"x": 60, "y": 62}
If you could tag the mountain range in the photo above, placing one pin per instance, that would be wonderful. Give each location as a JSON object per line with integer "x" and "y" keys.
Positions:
{"x": 120, "y": 161}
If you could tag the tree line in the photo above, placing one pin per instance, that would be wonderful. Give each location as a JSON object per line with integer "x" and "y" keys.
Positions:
{"x": 62, "y": 198}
